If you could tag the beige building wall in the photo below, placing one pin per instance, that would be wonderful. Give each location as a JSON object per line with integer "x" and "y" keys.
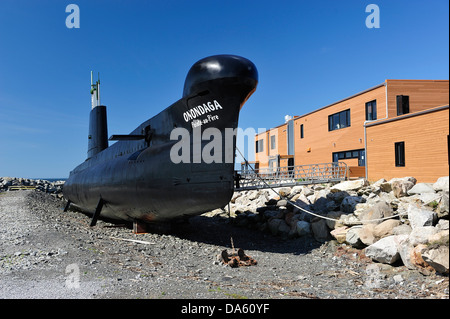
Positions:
{"x": 319, "y": 143}
{"x": 425, "y": 137}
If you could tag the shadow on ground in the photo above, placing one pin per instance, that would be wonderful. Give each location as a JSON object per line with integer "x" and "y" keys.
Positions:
{"x": 219, "y": 231}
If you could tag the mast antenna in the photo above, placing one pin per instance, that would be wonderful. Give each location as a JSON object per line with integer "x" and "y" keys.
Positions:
{"x": 95, "y": 91}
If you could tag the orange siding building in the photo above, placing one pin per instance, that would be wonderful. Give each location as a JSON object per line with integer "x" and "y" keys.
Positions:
{"x": 414, "y": 144}
{"x": 339, "y": 131}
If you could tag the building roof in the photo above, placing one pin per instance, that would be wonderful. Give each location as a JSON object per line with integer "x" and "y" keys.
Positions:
{"x": 352, "y": 96}
{"x": 326, "y": 106}
{"x": 404, "y": 116}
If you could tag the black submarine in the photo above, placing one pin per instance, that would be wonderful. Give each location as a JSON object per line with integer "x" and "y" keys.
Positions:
{"x": 151, "y": 174}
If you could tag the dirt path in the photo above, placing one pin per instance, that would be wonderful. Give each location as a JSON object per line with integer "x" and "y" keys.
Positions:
{"x": 46, "y": 253}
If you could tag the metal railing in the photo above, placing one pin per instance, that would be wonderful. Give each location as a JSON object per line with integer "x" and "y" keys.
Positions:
{"x": 290, "y": 175}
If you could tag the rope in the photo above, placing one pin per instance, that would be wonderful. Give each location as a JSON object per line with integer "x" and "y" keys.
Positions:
{"x": 302, "y": 209}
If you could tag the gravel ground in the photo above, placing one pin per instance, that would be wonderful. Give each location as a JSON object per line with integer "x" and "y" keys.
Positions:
{"x": 47, "y": 253}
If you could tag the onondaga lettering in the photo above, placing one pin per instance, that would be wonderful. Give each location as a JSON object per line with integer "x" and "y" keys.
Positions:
{"x": 201, "y": 110}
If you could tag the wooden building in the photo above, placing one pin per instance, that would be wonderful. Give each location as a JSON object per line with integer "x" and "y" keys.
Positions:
{"x": 364, "y": 130}
{"x": 414, "y": 144}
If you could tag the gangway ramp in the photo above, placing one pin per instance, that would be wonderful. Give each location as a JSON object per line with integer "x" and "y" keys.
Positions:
{"x": 250, "y": 179}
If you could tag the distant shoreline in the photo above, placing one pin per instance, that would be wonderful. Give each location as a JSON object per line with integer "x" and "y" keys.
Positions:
{"x": 39, "y": 178}
{"x": 50, "y": 179}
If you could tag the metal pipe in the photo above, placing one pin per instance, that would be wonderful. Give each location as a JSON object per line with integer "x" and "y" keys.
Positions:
{"x": 366, "y": 170}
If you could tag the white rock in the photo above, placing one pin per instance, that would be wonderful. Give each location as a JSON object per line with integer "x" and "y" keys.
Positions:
{"x": 402, "y": 230}
{"x": 360, "y": 208}
{"x": 253, "y": 194}
{"x": 283, "y": 191}
{"x": 242, "y": 200}
{"x": 373, "y": 213}
{"x": 260, "y": 201}
{"x": 379, "y": 182}
{"x": 296, "y": 190}
{"x": 441, "y": 237}
{"x": 420, "y": 235}
{"x": 386, "y": 249}
{"x": 420, "y": 217}
{"x": 405, "y": 249}
{"x": 441, "y": 184}
{"x": 438, "y": 258}
{"x": 403, "y": 179}
{"x": 352, "y": 237}
{"x": 430, "y": 198}
{"x": 443, "y": 224}
{"x": 349, "y": 220}
{"x": 307, "y": 191}
{"x": 349, "y": 185}
{"x": 421, "y": 188}
{"x": 443, "y": 207}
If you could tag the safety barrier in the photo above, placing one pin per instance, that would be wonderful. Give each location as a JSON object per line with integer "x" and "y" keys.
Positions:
{"x": 249, "y": 179}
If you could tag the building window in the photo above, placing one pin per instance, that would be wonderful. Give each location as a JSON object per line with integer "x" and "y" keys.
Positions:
{"x": 400, "y": 154}
{"x": 259, "y": 146}
{"x": 359, "y": 154}
{"x": 272, "y": 142}
{"x": 402, "y": 104}
{"x": 371, "y": 110}
{"x": 339, "y": 120}
{"x": 273, "y": 163}
{"x": 301, "y": 131}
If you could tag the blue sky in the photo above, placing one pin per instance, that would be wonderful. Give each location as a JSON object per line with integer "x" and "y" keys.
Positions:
{"x": 308, "y": 54}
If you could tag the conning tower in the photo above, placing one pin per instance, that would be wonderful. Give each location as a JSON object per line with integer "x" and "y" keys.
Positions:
{"x": 98, "y": 126}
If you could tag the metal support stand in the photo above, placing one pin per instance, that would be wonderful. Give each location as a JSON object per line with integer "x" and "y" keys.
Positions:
{"x": 100, "y": 204}
{"x": 67, "y": 206}
{"x": 139, "y": 227}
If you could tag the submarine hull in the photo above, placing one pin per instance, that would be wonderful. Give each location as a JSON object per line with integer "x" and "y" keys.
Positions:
{"x": 180, "y": 162}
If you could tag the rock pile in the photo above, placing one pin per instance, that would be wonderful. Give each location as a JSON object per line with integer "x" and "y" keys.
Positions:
{"x": 395, "y": 221}
{"x": 12, "y": 183}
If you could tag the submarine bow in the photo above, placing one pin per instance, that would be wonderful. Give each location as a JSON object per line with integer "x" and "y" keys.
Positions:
{"x": 179, "y": 162}
{"x": 219, "y": 67}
